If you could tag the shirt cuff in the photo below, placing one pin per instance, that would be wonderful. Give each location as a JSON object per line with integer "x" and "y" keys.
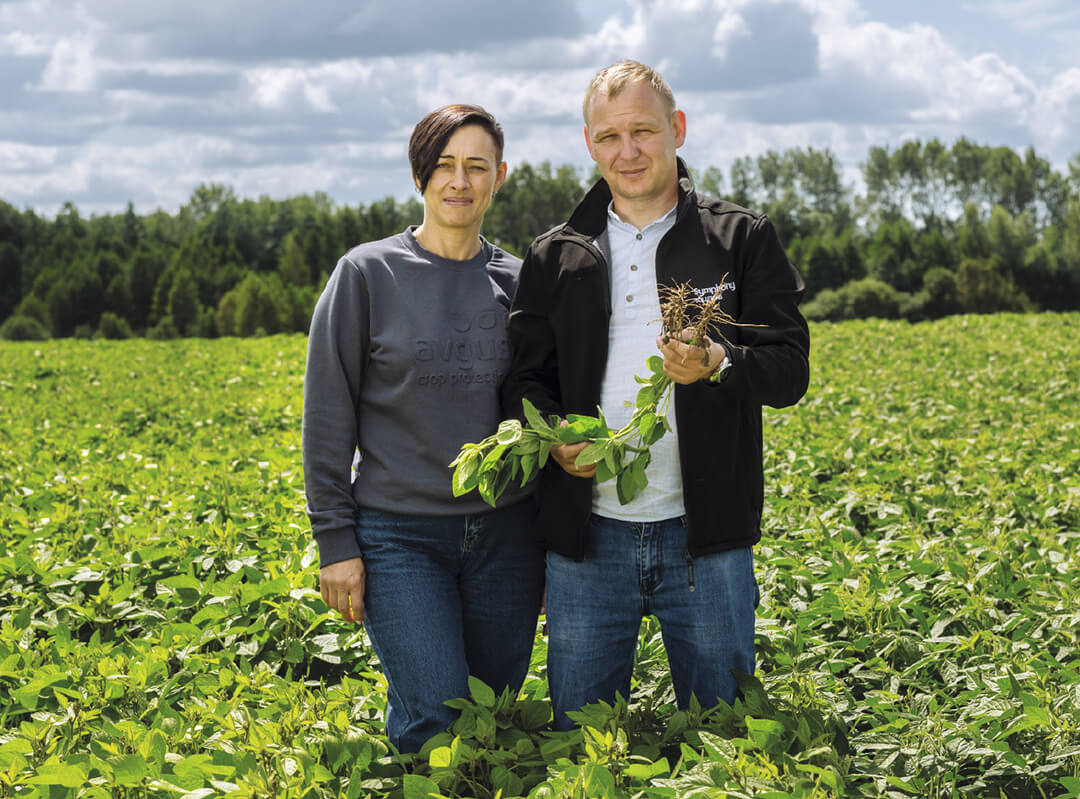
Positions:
{"x": 337, "y": 545}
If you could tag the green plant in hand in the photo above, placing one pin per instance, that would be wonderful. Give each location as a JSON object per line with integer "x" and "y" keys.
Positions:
{"x": 520, "y": 449}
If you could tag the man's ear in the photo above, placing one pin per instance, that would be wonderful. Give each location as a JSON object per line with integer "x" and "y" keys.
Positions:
{"x": 500, "y": 175}
{"x": 678, "y": 125}
{"x": 588, "y": 143}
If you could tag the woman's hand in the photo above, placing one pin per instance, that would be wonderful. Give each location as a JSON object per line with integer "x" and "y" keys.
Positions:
{"x": 342, "y": 587}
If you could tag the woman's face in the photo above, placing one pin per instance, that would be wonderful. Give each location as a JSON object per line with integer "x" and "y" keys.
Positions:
{"x": 465, "y": 176}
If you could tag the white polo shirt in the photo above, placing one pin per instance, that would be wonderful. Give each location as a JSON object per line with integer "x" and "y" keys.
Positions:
{"x": 632, "y": 332}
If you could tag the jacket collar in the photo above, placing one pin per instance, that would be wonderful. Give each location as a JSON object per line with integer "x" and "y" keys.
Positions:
{"x": 590, "y": 217}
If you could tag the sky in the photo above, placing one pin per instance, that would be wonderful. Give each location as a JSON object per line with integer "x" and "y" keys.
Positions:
{"x": 103, "y": 102}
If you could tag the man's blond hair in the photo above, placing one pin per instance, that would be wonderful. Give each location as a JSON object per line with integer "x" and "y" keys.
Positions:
{"x": 610, "y": 81}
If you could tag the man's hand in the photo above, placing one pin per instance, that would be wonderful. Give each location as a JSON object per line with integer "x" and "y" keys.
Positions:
{"x": 688, "y": 363}
{"x": 565, "y": 454}
{"x": 342, "y": 586}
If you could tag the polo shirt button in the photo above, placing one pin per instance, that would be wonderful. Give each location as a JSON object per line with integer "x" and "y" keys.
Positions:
{"x": 633, "y": 267}
{"x": 639, "y": 237}
{"x": 629, "y": 297}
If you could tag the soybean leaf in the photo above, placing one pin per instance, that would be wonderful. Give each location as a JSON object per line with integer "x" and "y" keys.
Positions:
{"x": 505, "y": 475}
{"x": 493, "y": 457}
{"x": 466, "y": 475}
{"x": 533, "y": 417}
{"x": 576, "y": 432}
{"x": 486, "y": 486}
{"x": 481, "y": 693}
{"x": 587, "y": 427}
{"x": 593, "y": 453}
{"x": 624, "y": 486}
{"x": 613, "y": 458}
{"x": 603, "y": 472}
{"x": 646, "y": 424}
{"x": 528, "y": 468}
{"x": 542, "y": 455}
{"x": 509, "y": 431}
{"x": 417, "y": 787}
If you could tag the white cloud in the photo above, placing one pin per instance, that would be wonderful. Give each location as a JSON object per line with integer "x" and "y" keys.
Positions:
{"x": 1035, "y": 15}
{"x": 1057, "y": 115}
{"x": 73, "y": 65}
{"x": 106, "y": 100}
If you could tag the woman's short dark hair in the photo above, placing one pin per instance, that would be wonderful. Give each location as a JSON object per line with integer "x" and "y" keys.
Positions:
{"x": 433, "y": 131}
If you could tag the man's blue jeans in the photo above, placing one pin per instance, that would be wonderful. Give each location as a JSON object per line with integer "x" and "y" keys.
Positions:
{"x": 705, "y": 607}
{"x": 446, "y": 597}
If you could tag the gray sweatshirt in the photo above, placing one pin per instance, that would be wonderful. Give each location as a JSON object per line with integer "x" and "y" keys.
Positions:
{"x": 405, "y": 355}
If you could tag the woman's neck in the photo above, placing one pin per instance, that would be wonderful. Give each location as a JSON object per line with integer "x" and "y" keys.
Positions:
{"x": 452, "y": 243}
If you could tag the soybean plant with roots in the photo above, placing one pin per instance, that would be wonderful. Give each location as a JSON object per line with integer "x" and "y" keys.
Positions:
{"x": 520, "y": 447}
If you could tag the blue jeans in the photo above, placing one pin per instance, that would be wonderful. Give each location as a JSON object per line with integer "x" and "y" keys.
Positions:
{"x": 705, "y": 607}
{"x": 446, "y": 597}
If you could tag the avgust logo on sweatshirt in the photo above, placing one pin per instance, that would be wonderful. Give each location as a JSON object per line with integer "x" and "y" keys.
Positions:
{"x": 474, "y": 339}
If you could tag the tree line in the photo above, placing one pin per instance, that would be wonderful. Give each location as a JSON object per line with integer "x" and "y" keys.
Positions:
{"x": 938, "y": 230}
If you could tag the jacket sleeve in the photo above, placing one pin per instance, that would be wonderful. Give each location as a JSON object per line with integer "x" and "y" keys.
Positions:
{"x": 338, "y": 343}
{"x": 534, "y": 365}
{"x": 770, "y": 361}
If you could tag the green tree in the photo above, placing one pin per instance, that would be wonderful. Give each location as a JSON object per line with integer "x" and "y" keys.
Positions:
{"x": 183, "y": 303}
{"x": 11, "y": 270}
{"x": 75, "y": 299}
{"x": 983, "y": 288}
{"x": 292, "y": 266}
{"x": 531, "y": 201}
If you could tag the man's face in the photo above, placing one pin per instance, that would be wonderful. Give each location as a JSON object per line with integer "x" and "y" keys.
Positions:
{"x": 633, "y": 141}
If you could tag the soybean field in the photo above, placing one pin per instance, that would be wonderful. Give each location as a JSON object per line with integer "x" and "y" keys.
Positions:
{"x": 161, "y": 632}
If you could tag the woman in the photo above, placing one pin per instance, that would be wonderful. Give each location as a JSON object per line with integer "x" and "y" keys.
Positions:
{"x": 407, "y": 347}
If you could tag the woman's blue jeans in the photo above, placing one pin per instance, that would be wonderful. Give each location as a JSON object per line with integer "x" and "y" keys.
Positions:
{"x": 446, "y": 597}
{"x": 705, "y": 607}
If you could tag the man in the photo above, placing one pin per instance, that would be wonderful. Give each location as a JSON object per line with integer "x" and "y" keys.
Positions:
{"x": 581, "y": 327}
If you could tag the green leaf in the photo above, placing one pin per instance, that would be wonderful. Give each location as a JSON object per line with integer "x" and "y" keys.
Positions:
{"x": 182, "y": 582}
{"x": 506, "y": 781}
{"x": 542, "y": 456}
{"x": 64, "y": 775}
{"x": 481, "y": 693}
{"x": 466, "y": 475}
{"x": 581, "y": 428}
{"x": 766, "y": 733}
{"x": 603, "y": 472}
{"x": 509, "y": 431}
{"x": 417, "y": 787}
{"x": 506, "y": 473}
{"x": 29, "y": 694}
{"x": 128, "y": 770}
{"x": 1072, "y": 785}
{"x": 440, "y": 757}
{"x": 491, "y": 460}
{"x": 613, "y": 458}
{"x": 533, "y": 416}
{"x": 656, "y": 365}
{"x": 646, "y": 397}
{"x": 593, "y": 453}
{"x": 625, "y": 487}
{"x": 528, "y": 469}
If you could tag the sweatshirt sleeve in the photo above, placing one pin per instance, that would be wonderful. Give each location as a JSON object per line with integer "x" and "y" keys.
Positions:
{"x": 770, "y": 363}
{"x": 338, "y": 344}
{"x": 534, "y": 369}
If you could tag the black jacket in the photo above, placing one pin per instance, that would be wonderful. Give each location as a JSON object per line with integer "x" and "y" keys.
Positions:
{"x": 558, "y": 328}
